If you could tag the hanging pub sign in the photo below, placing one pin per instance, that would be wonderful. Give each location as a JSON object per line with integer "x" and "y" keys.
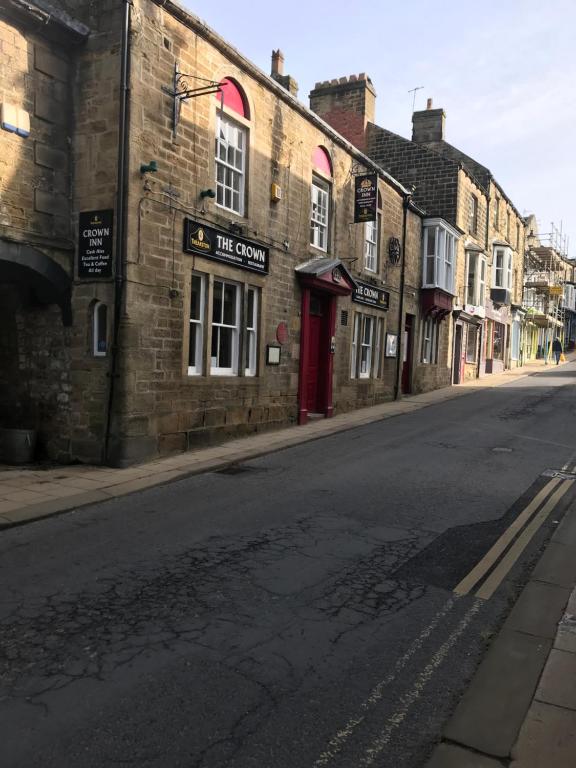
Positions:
{"x": 224, "y": 246}
{"x": 95, "y": 232}
{"x": 364, "y": 293}
{"x": 365, "y": 197}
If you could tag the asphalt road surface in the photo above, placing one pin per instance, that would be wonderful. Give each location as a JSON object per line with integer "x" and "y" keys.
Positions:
{"x": 296, "y": 611}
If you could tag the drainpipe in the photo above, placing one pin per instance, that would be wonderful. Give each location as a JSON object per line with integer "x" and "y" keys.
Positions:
{"x": 121, "y": 195}
{"x": 400, "y": 344}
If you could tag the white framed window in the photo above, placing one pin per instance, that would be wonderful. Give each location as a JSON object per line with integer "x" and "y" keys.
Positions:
{"x": 196, "y": 338}
{"x": 225, "y": 322}
{"x": 371, "y": 246}
{"x": 475, "y": 278}
{"x": 473, "y": 215}
{"x": 366, "y": 342}
{"x": 366, "y": 346}
{"x": 429, "y": 340}
{"x": 231, "y": 143}
{"x": 100, "y": 330}
{"x": 355, "y": 336}
{"x": 320, "y": 214}
{"x": 251, "y": 338}
{"x": 471, "y": 344}
{"x": 502, "y": 272}
{"x": 439, "y": 243}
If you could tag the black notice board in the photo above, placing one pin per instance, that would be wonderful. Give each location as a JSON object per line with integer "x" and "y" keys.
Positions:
{"x": 95, "y": 243}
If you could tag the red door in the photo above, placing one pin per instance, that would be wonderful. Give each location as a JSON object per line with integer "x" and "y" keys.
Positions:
{"x": 316, "y": 355}
{"x": 407, "y": 352}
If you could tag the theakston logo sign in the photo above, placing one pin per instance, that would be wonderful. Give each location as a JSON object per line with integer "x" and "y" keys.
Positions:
{"x": 226, "y": 247}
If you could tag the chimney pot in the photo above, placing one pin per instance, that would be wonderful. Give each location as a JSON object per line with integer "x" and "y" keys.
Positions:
{"x": 429, "y": 104}
{"x": 277, "y": 63}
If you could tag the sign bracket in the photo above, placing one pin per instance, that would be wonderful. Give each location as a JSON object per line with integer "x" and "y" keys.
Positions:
{"x": 182, "y": 90}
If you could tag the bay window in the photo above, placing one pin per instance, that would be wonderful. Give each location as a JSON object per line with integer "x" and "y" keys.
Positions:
{"x": 439, "y": 242}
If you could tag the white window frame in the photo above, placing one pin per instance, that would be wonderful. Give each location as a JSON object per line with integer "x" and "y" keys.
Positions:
{"x": 251, "y": 337}
{"x": 215, "y": 368}
{"x": 97, "y": 310}
{"x": 439, "y": 255}
{"x": 378, "y": 347}
{"x": 469, "y": 330}
{"x": 231, "y": 138}
{"x": 502, "y": 275}
{"x": 354, "y": 345}
{"x": 197, "y": 327}
{"x": 371, "y": 246}
{"x": 429, "y": 347}
{"x": 320, "y": 213}
{"x": 473, "y": 214}
{"x": 366, "y": 347}
{"x": 478, "y": 296}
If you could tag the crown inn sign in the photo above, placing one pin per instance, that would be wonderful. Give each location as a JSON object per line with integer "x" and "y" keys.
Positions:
{"x": 370, "y": 295}
{"x": 224, "y": 246}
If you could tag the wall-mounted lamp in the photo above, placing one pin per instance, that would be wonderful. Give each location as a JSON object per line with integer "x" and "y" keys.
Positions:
{"x": 207, "y": 193}
{"x": 152, "y": 167}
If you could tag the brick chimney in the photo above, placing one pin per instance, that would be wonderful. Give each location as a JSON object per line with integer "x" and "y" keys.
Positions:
{"x": 277, "y": 73}
{"x": 428, "y": 124}
{"x": 347, "y": 104}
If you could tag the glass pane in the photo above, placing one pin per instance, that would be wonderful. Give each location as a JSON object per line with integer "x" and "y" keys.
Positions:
{"x": 215, "y": 342}
{"x": 431, "y": 244}
{"x": 229, "y": 304}
{"x": 101, "y": 327}
{"x": 195, "y": 300}
{"x": 225, "y": 356}
{"x": 217, "y": 302}
{"x": 193, "y": 345}
{"x": 250, "y": 309}
{"x": 430, "y": 270}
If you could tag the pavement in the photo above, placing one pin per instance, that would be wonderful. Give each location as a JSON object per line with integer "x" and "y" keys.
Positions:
{"x": 520, "y": 708}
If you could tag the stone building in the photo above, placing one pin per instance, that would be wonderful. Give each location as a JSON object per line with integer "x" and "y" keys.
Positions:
{"x": 180, "y": 255}
{"x": 477, "y": 319}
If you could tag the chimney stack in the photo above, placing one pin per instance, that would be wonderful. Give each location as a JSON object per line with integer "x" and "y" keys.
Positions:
{"x": 277, "y": 73}
{"x": 428, "y": 125}
{"x": 347, "y": 104}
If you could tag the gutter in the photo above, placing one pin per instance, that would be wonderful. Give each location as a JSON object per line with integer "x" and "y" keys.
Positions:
{"x": 121, "y": 229}
{"x": 406, "y": 205}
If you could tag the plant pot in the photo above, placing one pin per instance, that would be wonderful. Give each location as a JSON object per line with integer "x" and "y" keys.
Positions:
{"x": 17, "y": 446}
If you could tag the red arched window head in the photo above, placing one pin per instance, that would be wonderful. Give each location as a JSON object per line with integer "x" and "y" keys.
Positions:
{"x": 234, "y": 97}
{"x": 321, "y": 161}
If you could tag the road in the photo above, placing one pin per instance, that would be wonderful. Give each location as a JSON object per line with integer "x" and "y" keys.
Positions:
{"x": 297, "y": 611}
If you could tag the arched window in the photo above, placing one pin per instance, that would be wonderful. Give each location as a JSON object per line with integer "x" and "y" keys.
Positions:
{"x": 320, "y": 194}
{"x": 231, "y": 148}
{"x": 100, "y": 329}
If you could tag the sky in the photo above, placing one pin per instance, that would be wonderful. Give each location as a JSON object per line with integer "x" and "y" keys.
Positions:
{"x": 504, "y": 72}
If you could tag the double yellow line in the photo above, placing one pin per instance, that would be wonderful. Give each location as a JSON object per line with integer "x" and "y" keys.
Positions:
{"x": 524, "y": 528}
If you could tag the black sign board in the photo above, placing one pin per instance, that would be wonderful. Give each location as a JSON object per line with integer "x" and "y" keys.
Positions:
{"x": 365, "y": 197}
{"x": 364, "y": 293}
{"x": 224, "y": 246}
{"x": 95, "y": 232}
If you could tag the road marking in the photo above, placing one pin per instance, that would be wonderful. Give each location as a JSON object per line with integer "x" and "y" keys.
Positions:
{"x": 504, "y": 566}
{"x": 336, "y": 744}
{"x": 483, "y": 566}
{"x": 408, "y": 699}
